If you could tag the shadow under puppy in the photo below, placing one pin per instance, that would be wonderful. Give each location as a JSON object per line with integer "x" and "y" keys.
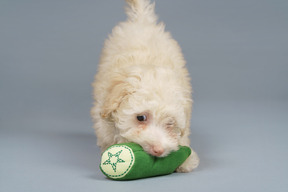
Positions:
{"x": 142, "y": 88}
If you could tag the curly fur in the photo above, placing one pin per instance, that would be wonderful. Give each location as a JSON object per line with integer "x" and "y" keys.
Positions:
{"x": 142, "y": 72}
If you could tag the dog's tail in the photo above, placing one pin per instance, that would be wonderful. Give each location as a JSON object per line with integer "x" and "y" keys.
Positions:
{"x": 141, "y": 11}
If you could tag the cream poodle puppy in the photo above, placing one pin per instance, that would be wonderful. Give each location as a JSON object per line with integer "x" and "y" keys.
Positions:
{"x": 142, "y": 89}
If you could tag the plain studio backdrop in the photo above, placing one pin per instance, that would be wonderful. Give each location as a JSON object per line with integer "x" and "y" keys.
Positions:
{"x": 236, "y": 52}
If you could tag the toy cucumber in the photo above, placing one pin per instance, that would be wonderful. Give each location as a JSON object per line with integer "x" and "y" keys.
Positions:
{"x": 128, "y": 161}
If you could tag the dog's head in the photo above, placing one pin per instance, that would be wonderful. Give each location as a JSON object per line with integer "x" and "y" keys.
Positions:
{"x": 149, "y": 107}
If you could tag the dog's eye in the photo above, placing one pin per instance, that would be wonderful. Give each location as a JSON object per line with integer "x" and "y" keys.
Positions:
{"x": 170, "y": 124}
{"x": 141, "y": 117}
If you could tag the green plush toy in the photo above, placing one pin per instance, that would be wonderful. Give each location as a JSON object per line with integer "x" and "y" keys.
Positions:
{"x": 128, "y": 161}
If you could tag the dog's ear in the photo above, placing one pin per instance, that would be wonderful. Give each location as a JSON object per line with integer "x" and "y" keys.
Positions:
{"x": 118, "y": 91}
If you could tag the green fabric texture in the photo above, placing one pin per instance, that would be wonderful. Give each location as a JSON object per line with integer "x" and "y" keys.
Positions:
{"x": 128, "y": 161}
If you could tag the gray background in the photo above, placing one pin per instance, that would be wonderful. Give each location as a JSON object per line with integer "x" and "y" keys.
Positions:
{"x": 236, "y": 52}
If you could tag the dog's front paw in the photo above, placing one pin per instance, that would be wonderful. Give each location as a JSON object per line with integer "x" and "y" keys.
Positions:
{"x": 191, "y": 163}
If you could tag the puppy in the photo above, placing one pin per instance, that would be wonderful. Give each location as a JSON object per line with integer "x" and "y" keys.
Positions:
{"x": 142, "y": 89}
